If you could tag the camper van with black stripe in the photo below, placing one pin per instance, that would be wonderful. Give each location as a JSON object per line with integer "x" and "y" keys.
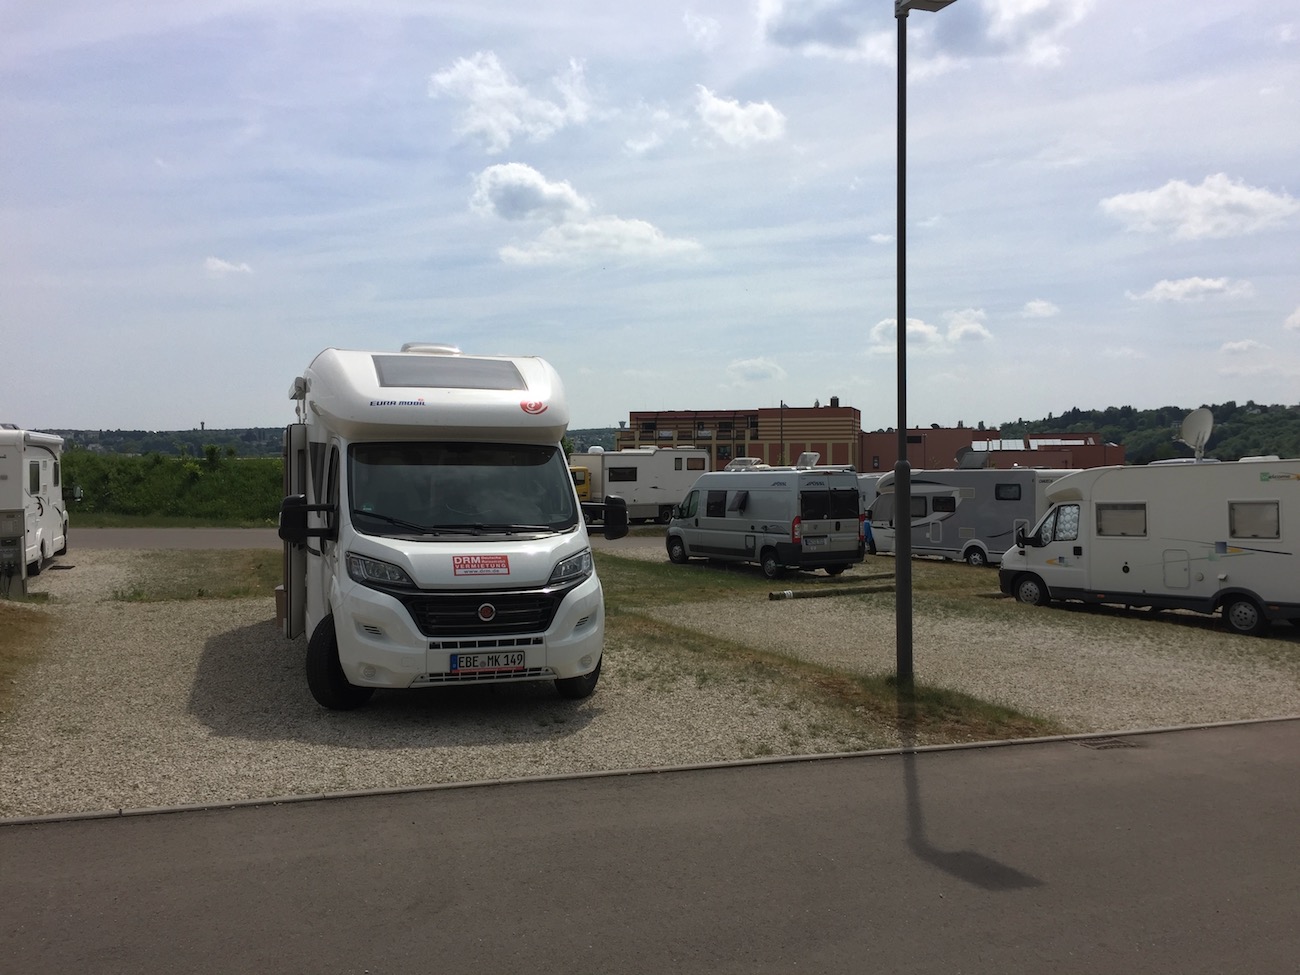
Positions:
{"x": 780, "y": 518}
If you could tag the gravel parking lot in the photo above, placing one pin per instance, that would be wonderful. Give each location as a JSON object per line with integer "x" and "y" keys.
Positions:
{"x": 152, "y": 704}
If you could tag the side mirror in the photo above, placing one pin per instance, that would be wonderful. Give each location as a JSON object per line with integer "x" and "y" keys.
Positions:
{"x": 1022, "y": 540}
{"x": 615, "y": 516}
{"x": 77, "y": 493}
{"x": 293, "y": 520}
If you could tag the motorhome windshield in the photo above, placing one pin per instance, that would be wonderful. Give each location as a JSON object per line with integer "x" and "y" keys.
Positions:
{"x": 432, "y": 488}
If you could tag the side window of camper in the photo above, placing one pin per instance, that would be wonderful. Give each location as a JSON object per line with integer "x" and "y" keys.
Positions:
{"x": 695, "y": 463}
{"x": 34, "y": 477}
{"x": 332, "y": 487}
{"x": 56, "y": 473}
{"x": 1122, "y": 520}
{"x": 715, "y": 504}
{"x": 739, "y": 501}
{"x": 944, "y": 504}
{"x": 1254, "y": 519}
{"x": 1062, "y": 525}
{"x": 691, "y": 504}
{"x": 622, "y": 474}
{"x": 1006, "y": 492}
{"x": 918, "y": 506}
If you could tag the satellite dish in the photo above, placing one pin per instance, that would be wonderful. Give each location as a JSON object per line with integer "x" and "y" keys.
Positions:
{"x": 1196, "y": 429}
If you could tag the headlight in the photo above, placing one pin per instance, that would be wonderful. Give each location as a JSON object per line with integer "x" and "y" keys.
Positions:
{"x": 573, "y": 569}
{"x": 370, "y": 572}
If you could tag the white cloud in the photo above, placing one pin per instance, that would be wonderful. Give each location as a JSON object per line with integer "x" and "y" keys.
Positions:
{"x": 1219, "y": 207}
{"x": 1038, "y": 308}
{"x": 1030, "y": 31}
{"x": 514, "y": 191}
{"x": 704, "y": 31}
{"x": 1239, "y": 348}
{"x": 1293, "y": 320}
{"x": 1194, "y": 289}
{"x": 882, "y": 238}
{"x": 744, "y": 371}
{"x": 517, "y": 192}
{"x": 500, "y": 108}
{"x": 598, "y": 239}
{"x": 659, "y": 127}
{"x": 218, "y": 268}
{"x": 736, "y": 124}
{"x": 967, "y": 325}
{"x": 921, "y": 336}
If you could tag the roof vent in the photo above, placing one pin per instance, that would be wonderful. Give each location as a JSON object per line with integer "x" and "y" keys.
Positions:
{"x": 430, "y": 348}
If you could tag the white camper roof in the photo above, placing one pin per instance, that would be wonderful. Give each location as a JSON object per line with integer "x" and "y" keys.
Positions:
{"x": 434, "y": 392}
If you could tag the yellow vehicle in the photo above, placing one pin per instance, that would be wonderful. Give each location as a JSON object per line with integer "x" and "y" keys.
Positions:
{"x": 582, "y": 481}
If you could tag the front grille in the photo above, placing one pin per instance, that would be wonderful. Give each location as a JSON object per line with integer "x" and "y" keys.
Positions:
{"x": 442, "y": 614}
{"x": 532, "y": 673}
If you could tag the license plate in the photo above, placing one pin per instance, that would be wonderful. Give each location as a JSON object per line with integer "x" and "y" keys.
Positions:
{"x": 817, "y": 541}
{"x": 464, "y": 663}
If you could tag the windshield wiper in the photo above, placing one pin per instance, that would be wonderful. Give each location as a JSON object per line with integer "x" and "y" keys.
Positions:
{"x": 398, "y": 522}
{"x": 480, "y": 528}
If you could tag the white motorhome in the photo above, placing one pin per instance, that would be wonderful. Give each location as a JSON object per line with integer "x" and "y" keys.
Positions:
{"x": 33, "y": 516}
{"x": 965, "y": 515}
{"x": 650, "y": 479}
{"x": 777, "y": 517}
{"x": 432, "y": 533}
{"x": 1204, "y": 537}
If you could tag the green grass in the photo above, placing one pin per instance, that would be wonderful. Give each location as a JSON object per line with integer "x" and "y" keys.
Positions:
{"x": 923, "y": 714}
{"x": 86, "y": 519}
{"x": 24, "y": 632}
{"x": 167, "y": 575}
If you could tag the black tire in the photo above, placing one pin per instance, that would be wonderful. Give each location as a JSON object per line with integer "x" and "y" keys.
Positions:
{"x": 665, "y": 514}
{"x": 325, "y": 676}
{"x": 834, "y": 570}
{"x": 1244, "y": 616}
{"x": 1030, "y": 589}
{"x": 977, "y": 558}
{"x": 772, "y": 568}
{"x": 34, "y": 568}
{"x": 576, "y": 688}
{"x": 677, "y": 550}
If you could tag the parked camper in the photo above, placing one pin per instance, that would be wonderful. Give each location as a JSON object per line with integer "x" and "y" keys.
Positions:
{"x": 965, "y": 515}
{"x": 33, "y": 516}
{"x": 432, "y": 532}
{"x": 650, "y": 479}
{"x": 1203, "y": 537}
{"x": 779, "y": 518}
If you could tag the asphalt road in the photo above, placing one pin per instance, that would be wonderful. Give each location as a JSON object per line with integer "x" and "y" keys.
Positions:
{"x": 1172, "y": 853}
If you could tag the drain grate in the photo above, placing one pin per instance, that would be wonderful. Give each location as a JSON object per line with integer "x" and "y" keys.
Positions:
{"x": 1103, "y": 743}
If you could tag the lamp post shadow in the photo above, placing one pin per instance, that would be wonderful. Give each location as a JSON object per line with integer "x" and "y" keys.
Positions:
{"x": 970, "y": 866}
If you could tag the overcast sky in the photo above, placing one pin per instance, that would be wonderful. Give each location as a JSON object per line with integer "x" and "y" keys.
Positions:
{"x": 680, "y": 206}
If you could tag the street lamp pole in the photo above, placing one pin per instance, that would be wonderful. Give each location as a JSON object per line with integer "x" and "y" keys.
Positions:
{"x": 903, "y": 468}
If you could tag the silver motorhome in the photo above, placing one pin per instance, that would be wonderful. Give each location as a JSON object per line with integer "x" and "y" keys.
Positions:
{"x": 779, "y": 518}
{"x": 965, "y": 515}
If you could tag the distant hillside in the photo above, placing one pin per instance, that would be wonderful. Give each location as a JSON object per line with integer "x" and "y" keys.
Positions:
{"x": 1239, "y": 431}
{"x": 1147, "y": 435}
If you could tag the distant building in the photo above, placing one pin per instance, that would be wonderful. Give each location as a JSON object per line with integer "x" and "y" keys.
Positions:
{"x": 776, "y": 435}
{"x": 779, "y": 434}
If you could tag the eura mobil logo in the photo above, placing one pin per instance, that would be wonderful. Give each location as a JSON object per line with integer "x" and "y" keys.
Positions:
{"x": 533, "y": 406}
{"x": 397, "y": 402}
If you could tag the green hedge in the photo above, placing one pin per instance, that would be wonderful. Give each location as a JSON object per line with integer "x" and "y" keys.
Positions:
{"x": 217, "y": 486}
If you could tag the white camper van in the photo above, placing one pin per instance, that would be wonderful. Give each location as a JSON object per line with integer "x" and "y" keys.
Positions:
{"x": 779, "y": 518}
{"x": 432, "y": 533}
{"x": 1201, "y": 536}
{"x": 964, "y": 515}
{"x": 33, "y": 517}
{"x": 650, "y": 479}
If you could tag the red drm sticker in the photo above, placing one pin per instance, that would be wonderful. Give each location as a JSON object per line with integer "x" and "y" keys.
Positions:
{"x": 533, "y": 406}
{"x": 480, "y": 565}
